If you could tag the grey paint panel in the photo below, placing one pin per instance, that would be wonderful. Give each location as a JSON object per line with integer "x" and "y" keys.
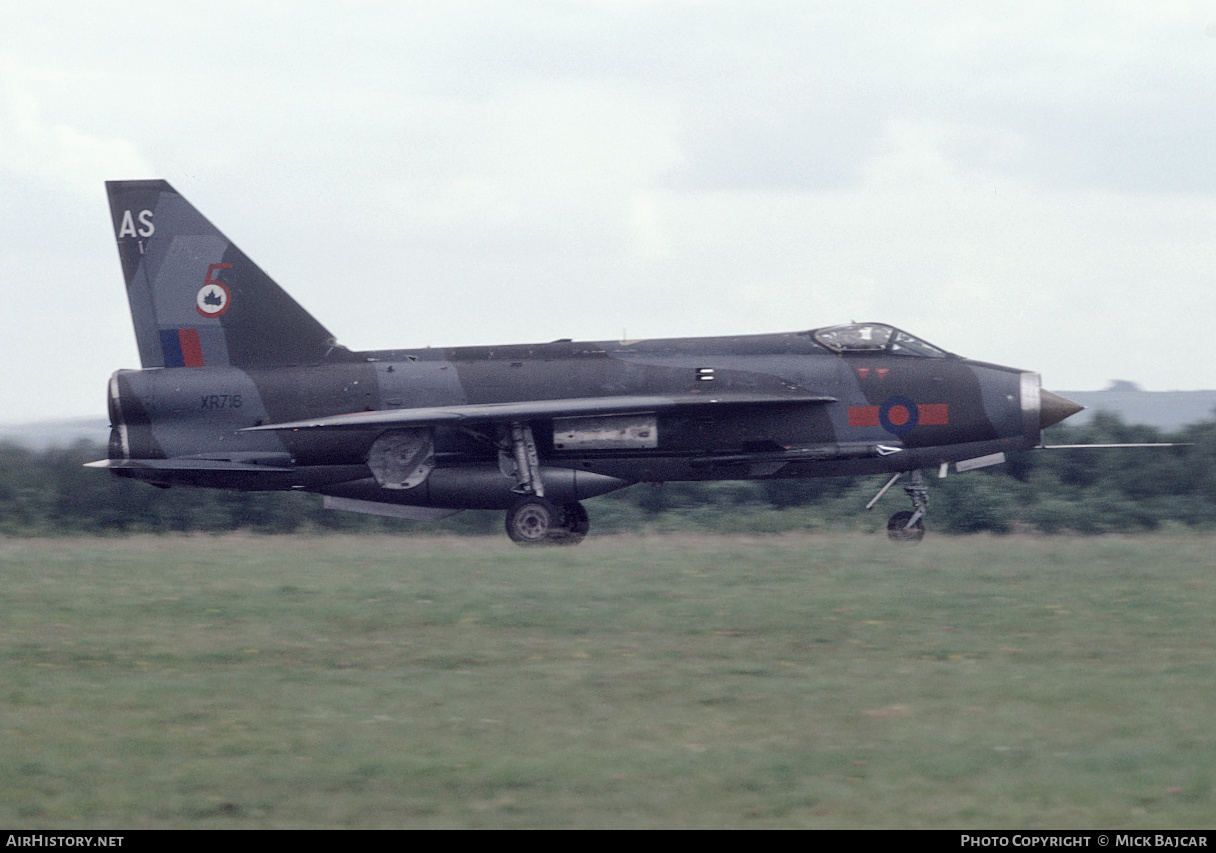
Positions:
{"x": 606, "y": 433}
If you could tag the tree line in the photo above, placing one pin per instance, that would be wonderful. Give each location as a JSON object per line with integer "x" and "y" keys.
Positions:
{"x": 49, "y": 492}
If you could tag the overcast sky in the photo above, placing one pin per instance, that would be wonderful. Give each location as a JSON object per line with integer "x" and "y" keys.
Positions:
{"x": 1030, "y": 183}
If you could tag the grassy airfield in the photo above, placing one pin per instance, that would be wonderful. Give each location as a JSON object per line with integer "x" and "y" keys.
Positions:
{"x": 831, "y": 680}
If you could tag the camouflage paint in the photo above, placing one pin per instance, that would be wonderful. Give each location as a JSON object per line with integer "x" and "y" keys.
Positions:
{"x": 242, "y": 388}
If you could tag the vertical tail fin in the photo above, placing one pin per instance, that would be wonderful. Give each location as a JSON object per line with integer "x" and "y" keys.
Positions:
{"x": 196, "y": 299}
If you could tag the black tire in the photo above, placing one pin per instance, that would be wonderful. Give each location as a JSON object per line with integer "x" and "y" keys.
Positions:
{"x": 574, "y": 525}
{"x": 532, "y": 521}
{"x": 898, "y": 530}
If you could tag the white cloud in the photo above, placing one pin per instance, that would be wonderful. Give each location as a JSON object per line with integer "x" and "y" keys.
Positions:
{"x": 33, "y": 145}
{"x": 1029, "y": 182}
{"x": 1070, "y": 281}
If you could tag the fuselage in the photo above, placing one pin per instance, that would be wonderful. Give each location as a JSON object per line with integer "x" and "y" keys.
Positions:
{"x": 884, "y": 409}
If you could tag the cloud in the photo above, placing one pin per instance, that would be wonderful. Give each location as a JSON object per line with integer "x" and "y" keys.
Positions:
{"x": 981, "y": 262}
{"x": 35, "y": 146}
{"x": 1012, "y": 180}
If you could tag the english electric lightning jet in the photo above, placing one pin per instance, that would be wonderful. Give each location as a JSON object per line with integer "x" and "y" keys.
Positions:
{"x": 242, "y": 389}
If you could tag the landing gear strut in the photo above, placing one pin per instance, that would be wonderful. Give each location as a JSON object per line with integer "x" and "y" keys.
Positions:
{"x": 907, "y": 526}
{"x": 536, "y": 521}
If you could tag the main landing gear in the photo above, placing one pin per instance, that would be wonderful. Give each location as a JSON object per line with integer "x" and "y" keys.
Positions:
{"x": 536, "y": 521}
{"x": 533, "y": 519}
{"x": 907, "y": 526}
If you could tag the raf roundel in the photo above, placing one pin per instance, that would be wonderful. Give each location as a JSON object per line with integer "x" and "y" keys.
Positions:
{"x": 898, "y": 415}
{"x": 213, "y": 299}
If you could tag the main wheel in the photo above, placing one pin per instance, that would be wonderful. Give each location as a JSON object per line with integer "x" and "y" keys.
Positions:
{"x": 574, "y": 525}
{"x": 531, "y": 521}
{"x": 899, "y": 531}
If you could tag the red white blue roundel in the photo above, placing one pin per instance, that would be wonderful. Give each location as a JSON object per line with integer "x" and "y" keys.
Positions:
{"x": 898, "y": 415}
{"x": 213, "y": 299}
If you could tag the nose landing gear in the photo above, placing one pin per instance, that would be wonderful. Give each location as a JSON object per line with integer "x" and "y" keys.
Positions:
{"x": 902, "y": 527}
{"x": 907, "y": 526}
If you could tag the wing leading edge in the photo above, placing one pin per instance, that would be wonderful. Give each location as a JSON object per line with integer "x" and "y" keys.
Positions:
{"x": 531, "y": 409}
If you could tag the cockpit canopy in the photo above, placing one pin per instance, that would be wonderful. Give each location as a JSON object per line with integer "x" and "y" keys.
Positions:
{"x": 874, "y": 338}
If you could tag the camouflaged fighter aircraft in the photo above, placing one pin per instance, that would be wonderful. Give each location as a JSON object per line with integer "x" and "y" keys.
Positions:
{"x": 242, "y": 389}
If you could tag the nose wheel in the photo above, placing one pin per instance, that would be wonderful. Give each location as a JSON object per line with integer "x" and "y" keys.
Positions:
{"x": 901, "y": 527}
{"x": 908, "y": 525}
{"x": 536, "y": 521}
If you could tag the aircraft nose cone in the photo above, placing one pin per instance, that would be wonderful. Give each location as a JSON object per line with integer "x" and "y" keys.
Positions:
{"x": 1053, "y": 408}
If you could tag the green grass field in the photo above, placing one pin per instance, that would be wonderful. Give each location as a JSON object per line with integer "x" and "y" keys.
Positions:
{"x": 666, "y": 681}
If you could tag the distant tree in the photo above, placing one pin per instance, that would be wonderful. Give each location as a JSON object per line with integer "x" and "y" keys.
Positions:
{"x": 1085, "y": 491}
